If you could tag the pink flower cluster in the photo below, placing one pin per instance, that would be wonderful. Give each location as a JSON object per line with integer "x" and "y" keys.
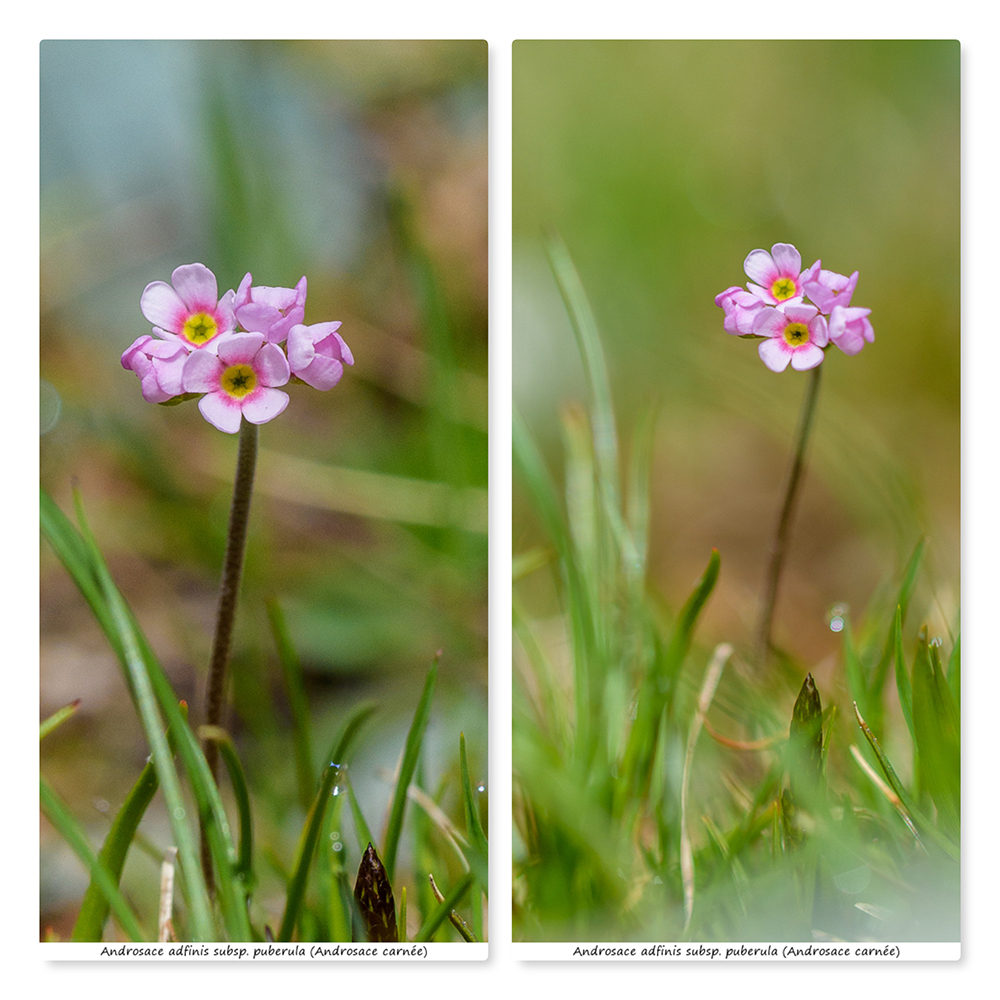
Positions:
{"x": 796, "y": 314}
{"x": 230, "y": 348}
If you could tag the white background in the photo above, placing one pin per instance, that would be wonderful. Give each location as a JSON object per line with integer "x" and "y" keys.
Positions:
{"x": 23, "y": 962}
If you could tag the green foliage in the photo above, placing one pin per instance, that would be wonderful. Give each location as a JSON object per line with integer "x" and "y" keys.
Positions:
{"x": 235, "y": 875}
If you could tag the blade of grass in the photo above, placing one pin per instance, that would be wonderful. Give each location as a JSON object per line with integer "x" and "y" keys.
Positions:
{"x": 244, "y": 865}
{"x": 955, "y": 672}
{"x": 65, "y": 822}
{"x": 361, "y": 828}
{"x": 440, "y": 915}
{"x": 343, "y": 744}
{"x": 80, "y": 555}
{"x": 291, "y": 668}
{"x": 903, "y": 687}
{"x": 657, "y": 690}
{"x": 713, "y": 673}
{"x": 535, "y": 477}
{"x": 936, "y": 729}
{"x": 57, "y": 718}
{"x": 89, "y": 924}
{"x": 477, "y": 836}
{"x": 146, "y": 703}
{"x": 306, "y": 851}
{"x": 414, "y": 741}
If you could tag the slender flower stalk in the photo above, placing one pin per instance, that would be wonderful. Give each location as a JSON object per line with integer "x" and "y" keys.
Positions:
{"x": 232, "y": 571}
{"x": 780, "y": 543}
{"x": 797, "y": 315}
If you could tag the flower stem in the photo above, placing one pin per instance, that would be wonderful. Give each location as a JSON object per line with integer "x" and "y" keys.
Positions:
{"x": 232, "y": 571}
{"x": 780, "y": 543}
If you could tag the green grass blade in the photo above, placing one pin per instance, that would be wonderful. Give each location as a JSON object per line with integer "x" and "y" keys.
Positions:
{"x": 227, "y": 750}
{"x": 535, "y": 477}
{"x": 657, "y": 690}
{"x": 440, "y": 915}
{"x": 589, "y": 344}
{"x": 903, "y": 687}
{"x": 902, "y": 603}
{"x": 66, "y": 823}
{"x": 306, "y": 851}
{"x": 341, "y": 747}
{"x": 477, "y": 836}
{"x": 57, "y": 718}
{"x": 361, "y": 829}
{"x": 935, "y": 724}
{"x": 955, "y": 672}
{"x": 202, "y": 924}
{"x": 291, "y": 667}
{"x": 148, "y": 685}
{"x": 89, "y": 924}
{"x": 414, "y": 741}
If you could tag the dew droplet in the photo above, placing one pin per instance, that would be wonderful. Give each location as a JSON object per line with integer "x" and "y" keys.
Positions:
{"x": 179, "y": 813}
{"x": 480, "y": 788}
{"x": 937, "y": 642}
{"x": 836, "y": 617}
{"x": 338, "y": 846}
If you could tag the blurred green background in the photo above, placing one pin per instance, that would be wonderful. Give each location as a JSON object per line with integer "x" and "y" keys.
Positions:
{"x": 362, "y": 165}
{"x": 662, "y": 164}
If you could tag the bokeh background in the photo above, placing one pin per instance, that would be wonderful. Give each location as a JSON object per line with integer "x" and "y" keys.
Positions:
{"x": 362, "y": 165}
{"x": 661, "y": 165}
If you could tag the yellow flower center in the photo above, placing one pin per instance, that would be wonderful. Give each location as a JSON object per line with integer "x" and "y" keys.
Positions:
{"x": 783, "y": 288}
{"x": 199, "y": 328}
{"x": 796, "y": 334}
{"x": 239, "y": 380}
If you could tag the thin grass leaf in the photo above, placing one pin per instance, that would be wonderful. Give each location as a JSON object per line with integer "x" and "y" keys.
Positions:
{"x": 59, "y": 815}
{"x": 401, "y": 922}
{"x": 89, "y": 924}
{"x": 440, "y": 915}
{"x": 713, "y": 673}
{"x": 456, "y": 921}
{"x": 57, "y": 718}
{"x": 343, "y": 744}
{"x": 535, "y": 477}
{"x": 889, "y": 772}
{"x": 902, "y": 603}
{"x": 305, "y": 852}
{"x": 414, "y": 742}
{"x": 955, "y": 672}
{"x": 657, "y": 690}
{"x": 477, "y": 835}
{"x": 291, "y": 668}
{"x": 120, "y": 620}
{"x": 227, "y": 750}
{"x": 361, "y": 828}
{"x": 903, "y": 687}
{"x": 149, "y": 686}
{"x": 935, "y": 725}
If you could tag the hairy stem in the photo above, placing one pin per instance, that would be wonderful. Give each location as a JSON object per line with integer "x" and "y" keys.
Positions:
{"x": 783, "y": 530}
{"x": 232, "y": 571}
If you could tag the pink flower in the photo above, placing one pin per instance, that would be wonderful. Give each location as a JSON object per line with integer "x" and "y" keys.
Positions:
{"x": 777, "y": 274}
{"x": 830, "y": 289}
{"x": 317, "y": 354}
{"x": 189, "y": 311}
{"x": 238, "y": 381}
{"x": 158, "y": 364}
{"x": 796, "y": 333}
{"x": 741, "y": 310}
{"x": 850, "y": 328}
{"x": 271, "y": 311}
